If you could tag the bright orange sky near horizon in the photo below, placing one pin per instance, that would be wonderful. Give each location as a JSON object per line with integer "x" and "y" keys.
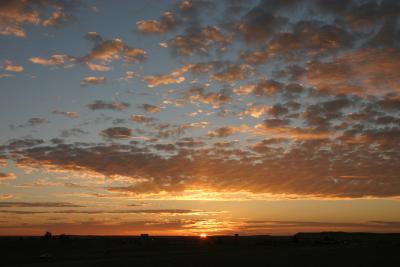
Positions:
{"x": 199, "y": 117}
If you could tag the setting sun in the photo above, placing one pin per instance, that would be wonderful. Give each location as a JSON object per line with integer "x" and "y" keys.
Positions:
{"x": 203, "y": 235}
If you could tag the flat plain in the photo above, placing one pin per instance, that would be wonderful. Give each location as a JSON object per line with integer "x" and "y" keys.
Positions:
{"x": 304, "y": 249}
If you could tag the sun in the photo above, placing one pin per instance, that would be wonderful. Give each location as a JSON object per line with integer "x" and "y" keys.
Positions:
{"x": 203, "y": 235}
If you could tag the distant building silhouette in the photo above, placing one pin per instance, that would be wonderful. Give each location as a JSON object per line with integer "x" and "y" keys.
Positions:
{"x": 47, "y": 236}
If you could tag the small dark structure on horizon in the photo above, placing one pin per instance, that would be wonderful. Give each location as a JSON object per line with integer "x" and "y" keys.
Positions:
{"x": 47, "y": 236}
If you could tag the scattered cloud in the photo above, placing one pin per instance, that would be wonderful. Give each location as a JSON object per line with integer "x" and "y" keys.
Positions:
{"x": 16, "y": 14}
{"x": 117, "y": 132}
{"x": 150, "y": 108}
{"x": 115, "y": 105}
{"x": 167, "y": 23}
{"x": 54, "y": 60}
{"x": 175, "y": 77}
{"x": 69, "y": 114}
{"x": 10, "y": 66}
{"x": 38, "y": 205}
{"x": 7, "y": 176}
{"x": 93, "y": 80}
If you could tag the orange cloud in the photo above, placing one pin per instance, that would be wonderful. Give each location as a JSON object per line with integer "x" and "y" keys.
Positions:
{"x": 92, "y": 80}
{"x": 175, "y": 77}
{"x": 7, "y": 176}
{"x": 57, "y": 59}
{"x": 166, "y": 23}
{"x": 367, "y": 71}
{"x": 9, "y": 66}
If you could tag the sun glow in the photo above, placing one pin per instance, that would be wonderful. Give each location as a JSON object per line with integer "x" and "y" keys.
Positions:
{"x": 203, "y": 235}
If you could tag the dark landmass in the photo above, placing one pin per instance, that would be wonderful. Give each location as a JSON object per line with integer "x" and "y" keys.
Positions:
{"x": 303, "y": 249}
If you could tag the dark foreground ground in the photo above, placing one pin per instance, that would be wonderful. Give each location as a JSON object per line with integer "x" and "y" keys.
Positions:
{"x": 324, "y": 249}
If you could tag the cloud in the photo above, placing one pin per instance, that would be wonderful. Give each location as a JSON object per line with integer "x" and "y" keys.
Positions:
{"x": 128, "y": 75}
{"x": 69, "y": 114}
{"x": 262, "y": 88}
{"x": 141, "y": 119}
{"x": 6, "y": 75}
{"x": 134, "y": 55}
{"x": 143, "y": 211}
{"x": 117, "y": 132}
{"x": 196, "y": 40}
{"x": 260, "y": 23}
{"x": 6, "y": 196}
{"x": 94, "y": 37}
{"x": 222, "y": 132}
{"x": 97, "y": 67}
{"x": 36, "y": 121}
{"x": 303, "y": 167}
{"x": 95, "y": 227}
{"x": 7, "y": 176}
{"x": 309, "y": 88}
{"x": 93, "y": 80}
{"x": 100, "y": 104}
{"x": 167, "y": 23}
{"x": 150, "y": 108}
{"x": 157, "y": 80}
{"x": 255, "y": 57}
{"x": 21, "y": 143}
{"x": 13, "y": 15}
{"x": 38, "y": 205}
{"x": 233, "y": 73}
{"x": 216, "y": 99}
{"x": 57, "y": 18}
{"x": 255, "y": 111}
{"x": 76, "y": 132}
{"x": 273, "y": 123}
{"x": 114, "y": 49}
{"x": 175, "y": 77}
{"x": 371, "y": 71}
{"x": 309, "y": 37}
{"x": 291, "y": 227}
{"x": 54, "y": 60}
{"x": 9, "y": 66}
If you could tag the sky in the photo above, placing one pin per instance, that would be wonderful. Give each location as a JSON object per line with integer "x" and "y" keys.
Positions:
{"x": 188, "y": 117}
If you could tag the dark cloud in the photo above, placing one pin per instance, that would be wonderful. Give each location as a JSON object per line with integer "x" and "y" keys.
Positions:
{"x": 36, "y": 121}
{"x": 21, "y": 143}
{"x": 272, "y": 123}
{"x": 234, "y": 72}
{"x": 313, "y": 167}
{"x": 73, "y": 132}
{"x": 7, "y": 176}
{"x": 307, "y": 226}
{"x": 216, "y": 99}
{"x": 150, "y": 108}
{"x": 100, "y": 104}
{"x": 199, "y": 40}
{"x": 262, "y": 88}
{"x": 15, "y": 15}
{"x": 141, "y": 119}
{"x": 259, "y": 23}
{"x": 367, "y": 71}
{"x": 117, "y": 132}
{"x": 222, "y": 132}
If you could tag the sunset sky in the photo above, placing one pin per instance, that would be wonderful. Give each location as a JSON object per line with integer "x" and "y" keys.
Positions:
{"x": 187, "y": 117}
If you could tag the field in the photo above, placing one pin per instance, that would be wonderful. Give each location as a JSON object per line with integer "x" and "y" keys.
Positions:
{"x": 323, "y": 249}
